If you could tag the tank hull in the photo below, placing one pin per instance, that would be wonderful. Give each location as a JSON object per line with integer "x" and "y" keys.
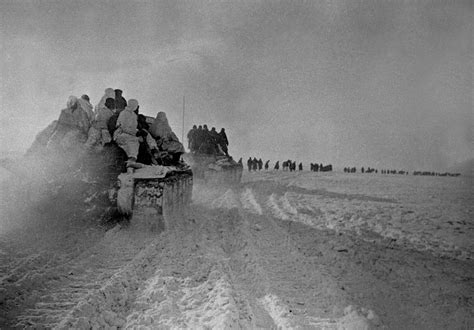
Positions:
{"x": 150, "y": 196}
{"x": 212, "y": 169}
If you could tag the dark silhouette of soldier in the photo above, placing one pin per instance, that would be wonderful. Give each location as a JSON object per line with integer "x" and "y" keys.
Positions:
{"x": 300, "y": 167}
{"x": 199, "y": 139}
{"x": 192, "y": 138}
{"x": 112, "y": 122}
{"x": 266, "y": 165}
{"x": 145, "y": 153}
{"x": 206, "y": 145}
{"x": 214, "y": 140}
{"x": 249, "y": 163}
{"x": 120, "y": 102}
{"x": 277, "y": 165}
{"x": 254, "y": 164}
{"x": 224, "y": 142}
{"x": 260, "y": 164}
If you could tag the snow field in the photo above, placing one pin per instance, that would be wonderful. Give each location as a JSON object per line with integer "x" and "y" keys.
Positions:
{"x": 416, "y": 215}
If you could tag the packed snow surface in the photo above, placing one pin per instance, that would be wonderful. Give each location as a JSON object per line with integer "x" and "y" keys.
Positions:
{"x": 298, "y": 250}
{"x": 426, "y": 213}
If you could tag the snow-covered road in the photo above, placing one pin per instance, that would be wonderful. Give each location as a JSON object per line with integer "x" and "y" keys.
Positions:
{"x": 271, "y": 253}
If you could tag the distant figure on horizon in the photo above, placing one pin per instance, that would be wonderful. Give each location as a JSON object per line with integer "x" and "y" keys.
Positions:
{"x": 327, "y": 168}
{"x": 266, "y": 164}
{"x": 277, "y": 165}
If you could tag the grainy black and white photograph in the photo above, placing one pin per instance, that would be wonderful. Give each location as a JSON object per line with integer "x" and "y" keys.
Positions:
{"x": 252, "y": 164}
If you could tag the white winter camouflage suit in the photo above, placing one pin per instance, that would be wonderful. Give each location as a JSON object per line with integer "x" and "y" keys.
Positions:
{"x": 125, "y": 134}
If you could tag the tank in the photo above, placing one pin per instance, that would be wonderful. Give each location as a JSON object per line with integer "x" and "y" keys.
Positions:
{"x": 147, "y": 195}
{"x": 215, "y": 169}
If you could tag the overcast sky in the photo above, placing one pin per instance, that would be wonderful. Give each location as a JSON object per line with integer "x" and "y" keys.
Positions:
{"x": 347, "y": 82}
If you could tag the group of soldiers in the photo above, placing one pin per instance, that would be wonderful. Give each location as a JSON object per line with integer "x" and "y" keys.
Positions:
{"x": 320, "y": 167}
{"x": 399, "y": 172}
{"x": 254, "y": 164}
{"x": 372, "y": 170}
{"x": 115, "y": 120}
{"x": 204, "y": 141}
{"x": 290, "y": 165}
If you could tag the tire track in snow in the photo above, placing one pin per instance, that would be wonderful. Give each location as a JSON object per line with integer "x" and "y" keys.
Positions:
{"x": 249, "y": 202}
{"x": 227, "y": 201}
{"x": 282, "y": 208}
{"x": 215, "y": 197}
{"x": 290, "y": 209}
{"x": 264, "y": 253}
{"x": 168, "y": 301}
{"x": 276, "y": 211}
{"x": 352, "y": 318}
{"x": 93, "y": 273}
{"x": 278, "y": 276}
{"x": 193, "y": 285}
{"x": 277, "y": 311}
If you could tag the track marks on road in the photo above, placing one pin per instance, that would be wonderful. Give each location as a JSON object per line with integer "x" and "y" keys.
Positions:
{"x": 249, "y": 202}
{"x": 277, "y": 310}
